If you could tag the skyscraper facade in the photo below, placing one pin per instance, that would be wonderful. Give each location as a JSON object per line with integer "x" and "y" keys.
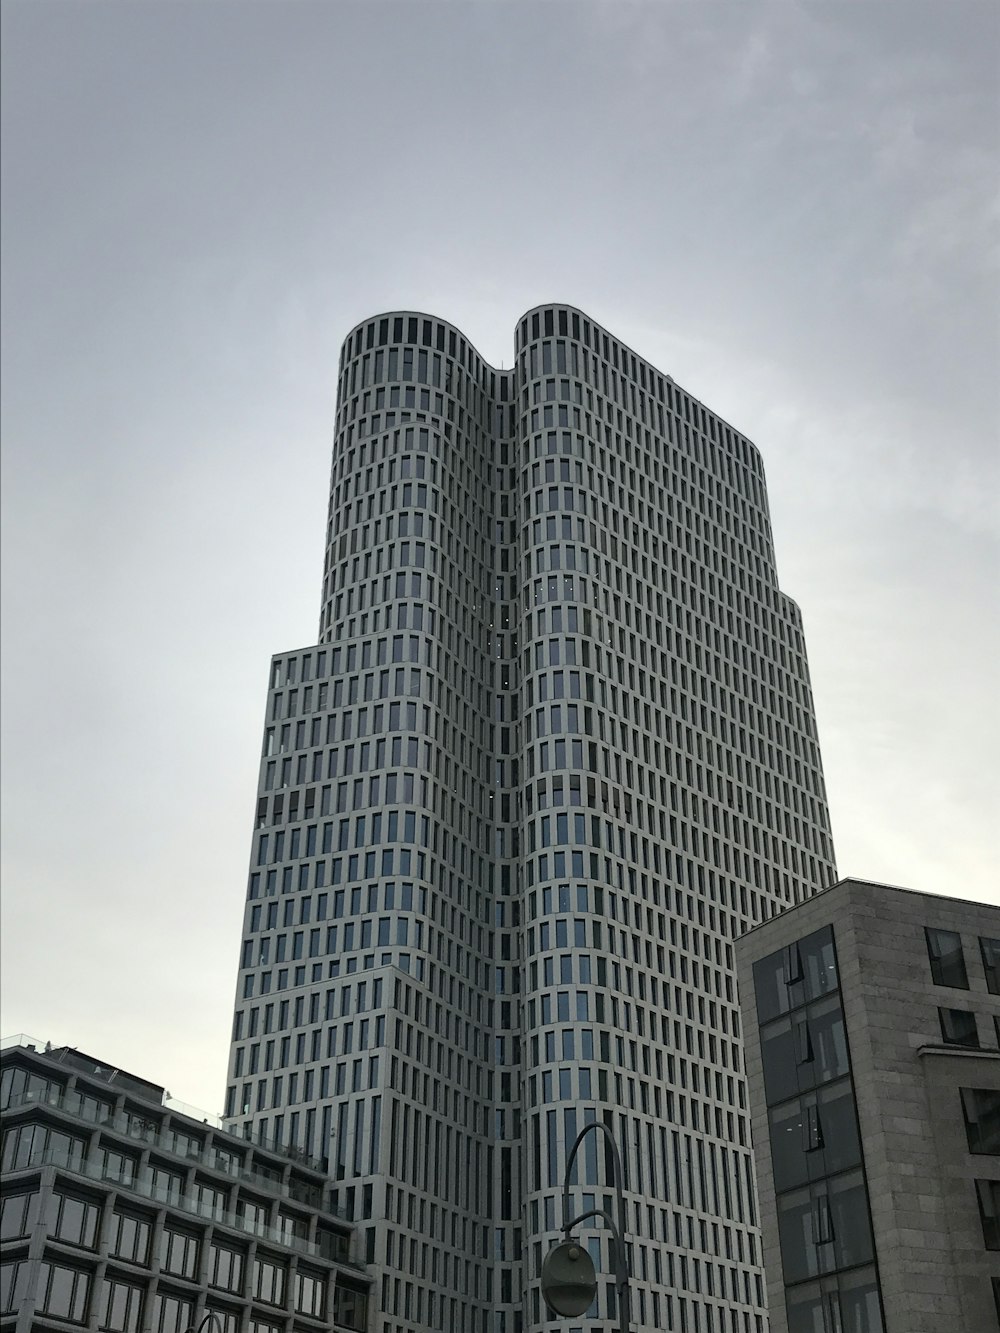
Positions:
{"x": 554, "y": 750}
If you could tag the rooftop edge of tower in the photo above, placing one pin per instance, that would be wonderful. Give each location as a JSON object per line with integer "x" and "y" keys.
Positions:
{"x": 538, "y": 309}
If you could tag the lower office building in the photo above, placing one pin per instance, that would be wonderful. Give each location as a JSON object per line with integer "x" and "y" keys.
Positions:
{"x": 872, "y": 1027}
{"x": 122, "y": 1214}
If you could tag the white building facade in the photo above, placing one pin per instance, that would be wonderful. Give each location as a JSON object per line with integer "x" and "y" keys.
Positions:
{"x": 554, "y": 751}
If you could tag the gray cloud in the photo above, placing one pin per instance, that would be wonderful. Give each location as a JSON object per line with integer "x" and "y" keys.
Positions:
{"x": 791, "y": 208}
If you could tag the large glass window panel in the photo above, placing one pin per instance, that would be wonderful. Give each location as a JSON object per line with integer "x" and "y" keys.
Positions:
{"x": 958, "y": 1027}
{"x": 73, "y": 1220}
{"x": 269, "y": 1278}
{"x": 990, "y": 950}
{"x": 860, "y": 1307}
{"x": 814, "y": 1136}
{"x": 777, "y": 1050}
{"x": 130, "y": 1238}
{"x": 121, "y": 1306}
{"x": 225, "y": 1321}
{"x": 988, "y": 1193}
{"x": 179, "y": 1253}
{"x": 225, "y": 1268}
{"x": 824, "y": 1227}
{"x": 981, "y": 1108}
{"x": 803, "y": 971}
{"x": 18, "y": 1213}
{"x": 172, "y": 1314}
{"x": 350, "y": 1306}
{"x": 310, "y": 1294}
{"x": 845, "y": 1303}
{"x": 13, "y": 1285}
{"x": 827, "y": 1044}
{"x": 852, "y": 1236}
{"x": 799, "y": 1257}
{"x": 804, "y": 1050}
{"x": 120, "y": 1166}
{"x": 63, "y": 1292}
{"x": 947, "y": 960}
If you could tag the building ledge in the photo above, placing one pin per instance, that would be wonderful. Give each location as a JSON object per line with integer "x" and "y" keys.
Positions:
{"x": 976, "y": 1052}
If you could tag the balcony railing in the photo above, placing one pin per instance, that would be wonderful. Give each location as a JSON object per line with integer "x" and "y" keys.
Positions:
{"x": 285, "y": 1150}
{"x": 141, "y": 1183}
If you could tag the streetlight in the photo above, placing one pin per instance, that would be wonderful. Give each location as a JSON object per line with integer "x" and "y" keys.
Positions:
{"x": 569, "y": 1282}
{"x": 210, "y": 1317}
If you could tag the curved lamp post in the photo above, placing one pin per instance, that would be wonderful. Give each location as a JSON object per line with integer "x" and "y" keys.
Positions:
{"x": 569, "y": 1282}
{"x": 209, "y": 1318}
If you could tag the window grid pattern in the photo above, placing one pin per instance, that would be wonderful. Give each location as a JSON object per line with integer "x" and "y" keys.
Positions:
{"x": 554, "y": 751}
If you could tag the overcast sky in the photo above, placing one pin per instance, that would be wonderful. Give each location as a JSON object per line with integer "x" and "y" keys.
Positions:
{"x": 791, "y": 208}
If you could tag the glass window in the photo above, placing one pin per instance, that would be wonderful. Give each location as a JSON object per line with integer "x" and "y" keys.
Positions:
{"x": 958, "y": 1027}
{"x": 990, "y": 950}
{"x": 805, "y": 970}
{"x": 225, "y": 1268}
{"x": 115, "y": 1165}
{"x": 803, "y": 1051}
{"x": 13, "y": 1282}
{"x": 847, "y": 1303}
{"x": 121, "y": 1306}
{"x": 211, "y": 1201}
{"x": 988, "y": 1192}
{"x": 254, "y": 1216}
{"x": 179, "y": 1253}
{"x": 130, "y": 1238}
{"x": 350, "y": 1306}
{"x": 981, "y": 1107}
{"x": 944, "y": 950}
{"x": 269, "y": 1281}
{"x": 187, "y": 1145}
{"x": 172, "y": 1314}
{"x": 18, "y": 1213}
{"x": 310, "y": 1294}
{"x": 814, "y": 1136}
{"x": 824, "y": 1227}
{"x": 226, "y": 1321}
{"x": 29, "y": 1145}
{"x": 63, "y": 1292}
{"x": 73, "y": 1220}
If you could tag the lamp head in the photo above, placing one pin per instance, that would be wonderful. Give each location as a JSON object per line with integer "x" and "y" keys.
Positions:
{"x": 569, "y": 1281}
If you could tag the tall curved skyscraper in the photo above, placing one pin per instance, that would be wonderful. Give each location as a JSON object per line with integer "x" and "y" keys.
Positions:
{"x": 554, "y": 750}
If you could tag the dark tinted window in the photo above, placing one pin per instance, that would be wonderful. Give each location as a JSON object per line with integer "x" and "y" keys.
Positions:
{"x": 805, "y": 970}
{"x": 803, "y": 1051}
{"x": 988, "y": 1192}
{"x": 990, "y": 950}
{"x": 824, "y": 1228}
{"x": 814, "y": 1136}
{"x": 944, "y": 949}
{"x": 958, "y": 1027}
{"x": 17, "y": 1215}
{"x": 981, "y": 1107}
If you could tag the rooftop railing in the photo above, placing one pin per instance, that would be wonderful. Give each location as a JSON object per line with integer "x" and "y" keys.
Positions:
{"x": 90, "y": 1110}
{"x": 285, "y": 1150}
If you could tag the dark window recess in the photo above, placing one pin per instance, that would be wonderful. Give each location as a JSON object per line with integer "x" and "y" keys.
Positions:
{"x": 944, "y": 949}
{"x": 990, "y": 950}
{"x": 988, "y": 1192}
{"x": 848, "y": 1302}
{"x": 803, "y": 971}
{"x": 981, "y": 1108}
{"x": 802, "y": 1052}
{"x": 824, "y": 1228}
{"x": 958, "y": 1027}
{"x": 814, "y": 1136}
